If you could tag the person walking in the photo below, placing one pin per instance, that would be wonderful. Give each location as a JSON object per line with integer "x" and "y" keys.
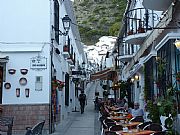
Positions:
{"x": 82, "y": 100}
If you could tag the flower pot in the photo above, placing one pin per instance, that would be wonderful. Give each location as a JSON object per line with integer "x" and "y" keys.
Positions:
{"x": 12, "y": 71}
{"x": 141, "y": 30}
{"x": 130, "y": 32}
{"x": 24, "y": 71}
{"x": 65, "y": 48}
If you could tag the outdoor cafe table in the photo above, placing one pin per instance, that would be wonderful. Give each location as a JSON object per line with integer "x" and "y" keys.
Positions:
{"x": 130, "y": 125}
{"x": 113, "y": 108}
{"x": 118, "y": 118}
{"x": 135, "y": 132}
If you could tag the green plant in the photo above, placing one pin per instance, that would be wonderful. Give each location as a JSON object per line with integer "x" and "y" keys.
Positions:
{"x": 153, "y": 110}
{"x": 58, "y": 84}
{"x": 164, "y": 107}
{"x": 178, "y": 76}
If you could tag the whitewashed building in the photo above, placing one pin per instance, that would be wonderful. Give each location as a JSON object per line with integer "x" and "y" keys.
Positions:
{"x": 32, "y": 56}
{"x": 147, "y": 51}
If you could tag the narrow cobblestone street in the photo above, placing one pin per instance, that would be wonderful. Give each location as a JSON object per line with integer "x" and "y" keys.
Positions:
{"x": 86, "y": 123}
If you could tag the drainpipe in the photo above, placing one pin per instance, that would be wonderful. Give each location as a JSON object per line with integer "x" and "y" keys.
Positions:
{"x": 50, "y": 94}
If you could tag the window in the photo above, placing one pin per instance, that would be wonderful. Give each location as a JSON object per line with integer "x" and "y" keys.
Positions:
{"x": 56, "y": 20}
{"x": 38, "y": 83}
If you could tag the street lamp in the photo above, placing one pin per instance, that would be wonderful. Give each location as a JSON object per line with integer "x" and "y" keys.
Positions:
{"x": 66, "y": 25}
{"x": 136, "y": 77}
{"x": 177, "y": 44}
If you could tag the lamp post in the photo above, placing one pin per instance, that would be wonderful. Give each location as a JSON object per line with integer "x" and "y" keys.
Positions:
{"x": 66, "y": 25}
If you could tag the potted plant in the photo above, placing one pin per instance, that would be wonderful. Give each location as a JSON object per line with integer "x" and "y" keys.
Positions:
{"x": 141, "y": 30}
{"x": 65, "y": 48}
{"x": 164, "y": 110}
{"x": 57, "y": 84}
{"x": 130, "y": 32}
{"x": 61, "y": 85}
{"x": 54, "y": 84}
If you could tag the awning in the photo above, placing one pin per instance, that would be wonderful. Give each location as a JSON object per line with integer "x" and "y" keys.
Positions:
{"x": 107, "y": 74}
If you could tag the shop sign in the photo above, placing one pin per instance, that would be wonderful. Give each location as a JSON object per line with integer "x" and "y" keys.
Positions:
{"x": 38, "y": 63}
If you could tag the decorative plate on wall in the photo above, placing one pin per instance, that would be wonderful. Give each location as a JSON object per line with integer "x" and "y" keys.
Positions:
{"x": 23, "y": 81}
{"x": 12, "y": 71}
{"x": 7, "y": 85}
{"x": 24, "y": 71}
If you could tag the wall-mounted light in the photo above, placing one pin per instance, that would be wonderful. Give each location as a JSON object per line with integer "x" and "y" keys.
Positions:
{"x": 66, "y": 25}
{"x": 177, "y": 44}
{"x": 27, "y": 92}
{"x": 136, "y": 77}
{"x": 132, "y": 79}
{"x": 17, "y": 92}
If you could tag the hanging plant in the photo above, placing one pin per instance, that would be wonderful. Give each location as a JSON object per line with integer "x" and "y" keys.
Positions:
{"x": 58, "y": 84}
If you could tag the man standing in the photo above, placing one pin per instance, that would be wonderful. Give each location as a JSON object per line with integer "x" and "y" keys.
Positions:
{"x": 82, "y": 100}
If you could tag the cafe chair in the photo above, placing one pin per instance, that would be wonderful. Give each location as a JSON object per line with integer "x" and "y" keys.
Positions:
{"x": 110, "y": 133}
{"x": 104, "y": 111}
{"x": 101, "y": 118}
{"x": 109, "y": 124}
{"x": 116, "y": 128}
{"x": 142, "y": 125}
{"x": 109, "y": 120}
{"x": 137, "y": 119}
{"x": 153, "y": 127}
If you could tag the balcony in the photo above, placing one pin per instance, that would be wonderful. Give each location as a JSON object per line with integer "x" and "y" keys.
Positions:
{"x": 138, "y": 22}
{"x": 125, "y": 58}
{"x": 159, "y": 5}
{"x": 66, "y": 51}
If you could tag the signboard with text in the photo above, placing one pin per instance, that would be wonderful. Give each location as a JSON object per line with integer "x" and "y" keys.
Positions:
{"x": 38, "y": 63}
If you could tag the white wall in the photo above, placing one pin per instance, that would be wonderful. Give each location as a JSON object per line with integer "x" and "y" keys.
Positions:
{"x": 25, "y": 20}
{"x": 19, "y": 60}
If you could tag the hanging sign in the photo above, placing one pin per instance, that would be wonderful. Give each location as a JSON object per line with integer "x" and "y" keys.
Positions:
{"x": 38, "y": 63}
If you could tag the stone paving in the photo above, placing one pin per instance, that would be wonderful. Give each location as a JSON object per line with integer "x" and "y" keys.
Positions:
{"x": 86, "y": 123}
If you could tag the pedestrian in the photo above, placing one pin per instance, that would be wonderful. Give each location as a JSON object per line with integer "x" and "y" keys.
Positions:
{"x": 82, "y": 100}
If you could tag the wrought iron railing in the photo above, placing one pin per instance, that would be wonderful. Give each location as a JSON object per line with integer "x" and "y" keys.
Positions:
{"x": 139, "y": 20}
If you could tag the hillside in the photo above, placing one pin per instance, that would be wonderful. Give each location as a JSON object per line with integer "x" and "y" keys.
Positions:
{"x": 98, "y": 18}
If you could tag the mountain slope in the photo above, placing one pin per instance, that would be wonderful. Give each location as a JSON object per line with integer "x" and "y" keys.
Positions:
{"x": 98, "y": 18}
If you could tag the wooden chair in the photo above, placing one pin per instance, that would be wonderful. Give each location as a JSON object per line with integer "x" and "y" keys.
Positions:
{"x": 116, "y": 128}
{"x": 36, "y": 129}
{"x": 153, "y": 127}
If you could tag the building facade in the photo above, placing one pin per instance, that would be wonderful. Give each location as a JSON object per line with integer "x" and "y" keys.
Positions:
{"x": 147, "y": 51}
{"x": 33, "y": 60}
